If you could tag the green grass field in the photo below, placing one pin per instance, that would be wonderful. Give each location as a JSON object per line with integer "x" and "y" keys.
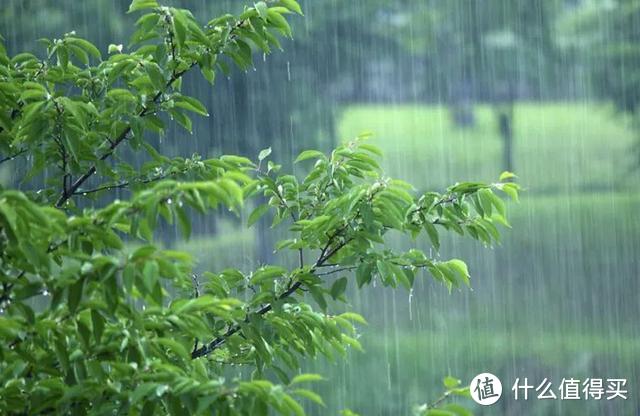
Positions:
{"x": 567, "y": 147}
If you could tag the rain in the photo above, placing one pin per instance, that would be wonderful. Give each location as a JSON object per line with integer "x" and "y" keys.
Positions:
{"x": 451, "y": 91}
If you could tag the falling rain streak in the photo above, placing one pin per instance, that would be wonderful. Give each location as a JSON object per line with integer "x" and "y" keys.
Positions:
{"x": 452, "y": 91}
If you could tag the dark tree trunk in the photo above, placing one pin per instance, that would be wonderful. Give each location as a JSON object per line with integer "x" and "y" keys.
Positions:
{"x": 505, "y": 120}
{"x": 505, "y": 114}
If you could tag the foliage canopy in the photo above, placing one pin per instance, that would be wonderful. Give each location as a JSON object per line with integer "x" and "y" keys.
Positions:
{"x": 98, "y": 319}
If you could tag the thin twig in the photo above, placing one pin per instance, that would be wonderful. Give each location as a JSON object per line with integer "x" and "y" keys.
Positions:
{"x": 444, "y": 200}
{"x": 13, "y": 156}
{"x": 119, "y": 139}
{"x": 342, "y": 269}
{"x": 292, "y": 214}
{"x": 220, "y": 340}
{"x": 196, "y": 294}
{"x": 113, "y": 144}
{"x": 126, "y": 183}
{"x": 439, "y": 401}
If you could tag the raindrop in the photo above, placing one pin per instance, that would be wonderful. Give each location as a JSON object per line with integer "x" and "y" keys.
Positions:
{"x": 410, "y": 299}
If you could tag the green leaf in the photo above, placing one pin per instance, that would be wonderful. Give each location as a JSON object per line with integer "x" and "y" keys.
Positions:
{"x": 486, "y": 201}
{"x": 364, "y": 272}
{"x": 354, "y": 317}
{"x": 182, "y": 119}
{"x": 292, "y": 5}
{"x": 63, "y": 56}
{"x": 180, "y": 24}
{"x": 432, "y": 232}
{"x": 371, "y": 148}
{"x": 183, "y": 221}
{"x": 155, "y": 75}
{"x": 305, "y": 378}
{"x": 142, "y": 4}
{"x": 267, "y": 273}
{"x": 175, "y": 347}
{"x": 113, "y": 48}
{"x": 498, "y": 204}
{"x": 142, "y": 391}
{"x": 257, "y": 213}
{"x": 264, "y": 154}
{"x": 262, "y": 9}
{"x": 75, "y": 294}
{"x": 438, "y": 412}
{"x": 121, "y": 94}
{"x": 293, "y": 405}
{"x": 86, "y": 46}
{"x": 318, "y": 294}
{"x": 191, "y": 104}
{"x": 150, "y": 275}
{"x": 506, "y": 175}
{"x": 456, "y": 410}
{"x": 338, "y": 287}
{"x": 98, "y": 324}
{"x": 451, "y": 382}
{"x": 308, "y": 394}
{"x": 385, "y": 272}
{"x": 309, "y": 154}
{"x": 460, "y": 268}
{"x": 511, "y": 189}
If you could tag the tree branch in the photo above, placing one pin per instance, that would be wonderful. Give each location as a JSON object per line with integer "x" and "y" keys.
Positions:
{"x": 13, "y": 156}
{"x": 293, "y": 216}
{"x": 196, "y": 294}
{"x": 342, "y": 269}
{"x": 126, "y": 183}
{"x": 61, "y": 147}
{"x": 325, "y": 255}
{"x": 114, "y": 144}
{"x": 444, "y": 200}
{"x": 439, "y": 400}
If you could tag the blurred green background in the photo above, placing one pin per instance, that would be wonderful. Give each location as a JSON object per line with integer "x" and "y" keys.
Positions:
{"x": 452, "y": 90}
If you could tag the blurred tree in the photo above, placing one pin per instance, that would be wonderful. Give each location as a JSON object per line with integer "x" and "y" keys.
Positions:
{"x": 495, "y": 51}
{"x": 605, "y": 36}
